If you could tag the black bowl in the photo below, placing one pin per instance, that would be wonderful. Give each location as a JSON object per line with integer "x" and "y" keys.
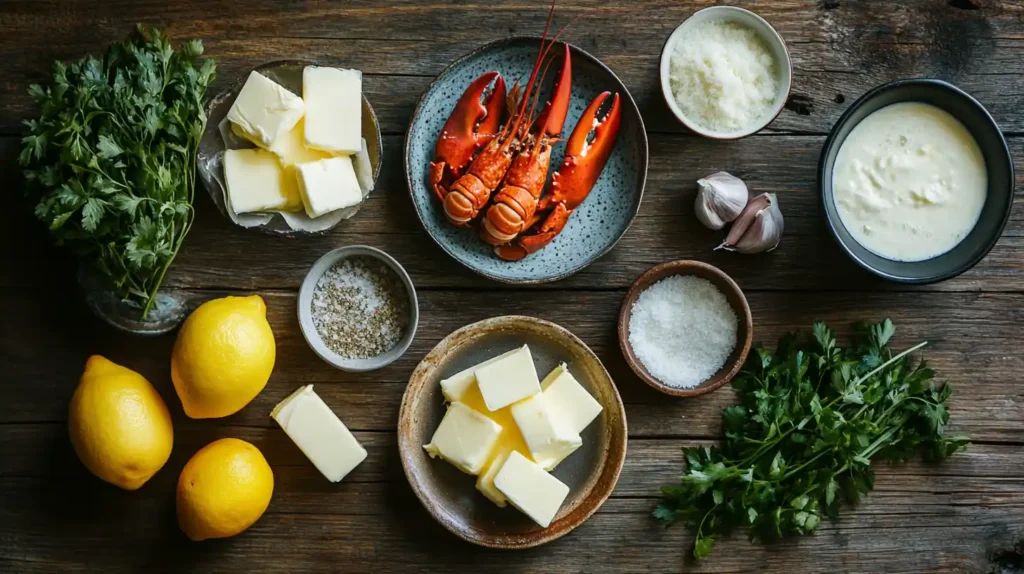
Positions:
{"x": 999, "y": 165}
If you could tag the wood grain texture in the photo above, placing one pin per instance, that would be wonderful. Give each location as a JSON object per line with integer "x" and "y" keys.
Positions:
{"x": 966, "y": 515}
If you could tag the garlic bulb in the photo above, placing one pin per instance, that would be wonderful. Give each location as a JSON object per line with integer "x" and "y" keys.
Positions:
{"x": 758, "y": 228}
{"x": 720, "y": 199}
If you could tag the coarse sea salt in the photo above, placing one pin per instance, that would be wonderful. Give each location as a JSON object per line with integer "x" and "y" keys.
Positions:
{"x": 683, "y": 330}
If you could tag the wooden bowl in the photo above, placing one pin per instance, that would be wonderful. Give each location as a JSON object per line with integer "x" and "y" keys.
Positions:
{"x": 731, "y": 291}
{"x": 450, "y": 495}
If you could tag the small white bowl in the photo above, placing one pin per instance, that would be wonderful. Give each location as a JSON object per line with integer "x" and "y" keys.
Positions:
{"x": 305, "y": 305}
{"x": 763, "y": 29}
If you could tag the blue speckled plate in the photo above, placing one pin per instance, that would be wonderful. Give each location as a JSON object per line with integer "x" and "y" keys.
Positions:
{"x": 595, "y": 226}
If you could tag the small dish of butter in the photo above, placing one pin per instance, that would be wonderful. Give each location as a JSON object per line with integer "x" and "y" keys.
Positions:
{"x": 293, "y": 148}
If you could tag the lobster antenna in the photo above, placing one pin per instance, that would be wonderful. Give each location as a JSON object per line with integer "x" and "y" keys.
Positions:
{"x": 536, "y": 96}
{"x": 541, "y": 53}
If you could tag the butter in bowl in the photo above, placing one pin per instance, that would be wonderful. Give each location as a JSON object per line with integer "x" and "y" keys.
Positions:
{"x": 291, "y": 163}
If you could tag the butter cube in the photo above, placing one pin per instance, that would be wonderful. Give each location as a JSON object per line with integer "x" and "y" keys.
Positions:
{"x": 328, "y": 185}
{"x": 256, "y": 181}
{"x": 531, "y": 489}
{"x": 465, "y": 438}
{"x": 319, "y": 433}
{"x": 454, "y": 387}
{"x": 548, "y": 435}
{"x": 485, "y": 482}
{"x": 508, "y": 380}
{"x": 291, "y": 148}
{"x": 263, "y": 110}
{"x": 334, "y": 109}
{"x": 567, "y": 396}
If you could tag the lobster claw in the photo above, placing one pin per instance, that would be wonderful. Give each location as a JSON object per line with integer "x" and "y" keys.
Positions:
{"x": 471, "y": 125}
{"x": 552, "y": 117}
{"x": 582, "y": 166}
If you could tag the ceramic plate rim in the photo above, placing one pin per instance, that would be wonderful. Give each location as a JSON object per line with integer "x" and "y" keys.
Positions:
{"x": 641, "y": 169}
{"x": 406, "y": 448}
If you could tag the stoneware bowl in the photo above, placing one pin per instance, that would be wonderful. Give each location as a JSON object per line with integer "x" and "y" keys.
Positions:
{"x": 450, "y": 495}
{"x": 287, "y": 73}
{"x": 732, "y": 292}
{"x": 998, "y": 203}
{"x": 594, "y": 227}
{"x": 305, "y": 305}
{"x": 764, "y": 30}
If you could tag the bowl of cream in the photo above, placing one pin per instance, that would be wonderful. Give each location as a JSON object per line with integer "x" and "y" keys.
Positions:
{"x": 916, "y": 181}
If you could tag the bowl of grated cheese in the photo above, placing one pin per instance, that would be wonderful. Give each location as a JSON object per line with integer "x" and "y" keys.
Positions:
{"x": 685, "y": 328}
{"x": 725, "y": 73}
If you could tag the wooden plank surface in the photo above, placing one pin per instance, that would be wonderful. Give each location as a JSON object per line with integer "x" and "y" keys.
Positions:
{"x": 966, "y": 515}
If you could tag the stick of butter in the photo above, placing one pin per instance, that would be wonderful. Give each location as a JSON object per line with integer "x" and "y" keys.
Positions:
{"x": 334, "y": 109}
{"x": 546, "y": 431}
{"x": 454, "y": 387}
{"x": 531, "y": 489}
{"x": 263, "y": 110}
{"x": 510, "y": 379}
{"x": 255, "y": 181}
{"x": 328, "y": 185}
{"x": 485, "y": 482}
{"x": 465, "y": 438}
{"x": 319, "y": 433}
{"x": 291, "y": 148}
{"x": 565, "y": 394}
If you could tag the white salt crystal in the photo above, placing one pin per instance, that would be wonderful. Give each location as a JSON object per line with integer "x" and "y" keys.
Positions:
{"x": 683, "y": 330}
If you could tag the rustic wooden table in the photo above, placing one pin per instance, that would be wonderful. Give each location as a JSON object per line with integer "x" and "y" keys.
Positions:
{"x": 966, "y": 515}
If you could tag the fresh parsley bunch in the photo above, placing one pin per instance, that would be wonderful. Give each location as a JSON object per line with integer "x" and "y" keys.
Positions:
{"x": 111, "y": 160}
{"x": 812, "y": 417}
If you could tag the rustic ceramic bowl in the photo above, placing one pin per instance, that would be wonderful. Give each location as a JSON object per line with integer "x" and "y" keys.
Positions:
{"x": 287, "y": 73}
{"x": 305, "y": 306}
{"x": 449, "y": 495}
{"x": 998, "y": 204}
{"x": 596, "y": 225}
{"x": 731, "y": 291}
{"x": 764, "y": 30}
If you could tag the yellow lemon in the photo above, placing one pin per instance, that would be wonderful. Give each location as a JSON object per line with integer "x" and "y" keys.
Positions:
{"x": 224, "y": 489}
{"x": 119, "y": 426}
{"x": 223, "y": 356}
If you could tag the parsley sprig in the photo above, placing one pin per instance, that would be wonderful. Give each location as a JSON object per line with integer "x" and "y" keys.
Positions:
{"x": 111, "y": 160}
{"x": 811, "y": 418}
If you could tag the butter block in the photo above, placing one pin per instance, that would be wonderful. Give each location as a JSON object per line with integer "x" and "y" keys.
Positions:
{"x": 565, "y": 394}
{"x": 334, "y": 109}
{"x": 485, "y": 482}
{"x": 364, "y": 169}
{"x": 328, "y": 185}
{"x": 454, "y": 387}
{"x": 319, "y": 433}
{"x": 256, "y": 181}
{"x": 291, "y": 148}
{"x": 508, "y": 380}
{"x": 465, "y": 438}
{"x": 531, "y": 489}
{"x": 264, "y": 110}
{"x": 546, "y": 432}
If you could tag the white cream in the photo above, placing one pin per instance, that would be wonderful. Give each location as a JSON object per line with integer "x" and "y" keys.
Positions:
{"x": 909, "y": 182}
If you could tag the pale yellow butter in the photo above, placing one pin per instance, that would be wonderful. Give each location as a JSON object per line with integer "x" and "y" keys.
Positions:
{"x": 328, "y": 185}
{"x": 531, "y": 489}
{"x": 547, "y": 434}
{"x": 567, "y": 396}
{"x": 454, "y": 387}
{"x": 334, "y": 109}
{"x": 510, "y": 379}
{"x": 465, "y": 438}
{"x": 485, "y": 482}
{"x": 256, "y": 181}
{"x": 264, "y": 110}
{"x": 319, "y": 433}
{"x": 291, "y": 148}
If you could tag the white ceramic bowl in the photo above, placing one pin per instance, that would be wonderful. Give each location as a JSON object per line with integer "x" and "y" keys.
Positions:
{"x": 305, "y": 304}
{"x": 763, "y": 29}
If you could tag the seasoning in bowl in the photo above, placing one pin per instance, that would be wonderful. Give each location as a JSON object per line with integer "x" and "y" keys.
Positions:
{"x": 683, "y": 330}
{"x": 723, "y": 76}
{"x": 360, "y": 308}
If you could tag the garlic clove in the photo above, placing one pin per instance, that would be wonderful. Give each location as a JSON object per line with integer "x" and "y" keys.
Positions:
{"x": 758, "y": 229}
{"x": 721, "y": 197}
